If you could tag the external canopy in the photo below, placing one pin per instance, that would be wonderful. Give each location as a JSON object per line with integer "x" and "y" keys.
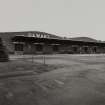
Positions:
{"x": 55, "y": 41}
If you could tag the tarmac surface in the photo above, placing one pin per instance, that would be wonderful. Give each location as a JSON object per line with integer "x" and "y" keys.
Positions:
{"x": 80, "y": 81}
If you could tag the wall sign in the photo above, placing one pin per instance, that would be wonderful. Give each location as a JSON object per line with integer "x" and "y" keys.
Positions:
{"x": 37, "y": 35}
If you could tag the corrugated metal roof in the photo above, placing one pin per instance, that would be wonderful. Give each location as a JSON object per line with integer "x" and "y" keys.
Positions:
{"x": 85, "y": 39}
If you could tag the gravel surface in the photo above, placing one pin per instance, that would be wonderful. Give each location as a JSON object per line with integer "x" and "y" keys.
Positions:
{"x": 65, "y": 80}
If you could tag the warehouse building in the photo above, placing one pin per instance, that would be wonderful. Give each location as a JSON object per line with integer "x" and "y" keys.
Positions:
{"x": 34, "y": 42}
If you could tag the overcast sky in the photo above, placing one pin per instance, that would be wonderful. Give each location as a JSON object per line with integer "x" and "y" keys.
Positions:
{"x": 70, "y": 18}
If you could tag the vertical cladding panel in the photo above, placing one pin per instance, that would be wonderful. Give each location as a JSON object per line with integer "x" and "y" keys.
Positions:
{"x": 81, "y": 50}
{"x": 98, "y": 49}
{"x": 39, "y": 48}
{"x": 78, "y": 49}
{"x": 85, "y": 49}
{"x": 28, "y": 49}
{"x": 103, "y": 49}
{"x": 75, "y": 49}
{"x": 47, "y": 49}
{"x": 65, "y": 48}
{"x": 62, "y": 47}
{"x": 33, "y": 49}
{"x": 56, "y": 48}
{"x": 91, "y": 49}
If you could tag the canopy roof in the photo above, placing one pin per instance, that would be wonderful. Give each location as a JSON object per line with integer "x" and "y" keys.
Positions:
{"x": 54, "y": 41}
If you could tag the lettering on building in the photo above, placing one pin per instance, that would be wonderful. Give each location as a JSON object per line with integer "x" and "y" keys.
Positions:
{"x": 37, "y": 35}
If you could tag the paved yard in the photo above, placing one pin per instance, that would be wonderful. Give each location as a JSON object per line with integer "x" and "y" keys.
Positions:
{"x": 80, "y": 80}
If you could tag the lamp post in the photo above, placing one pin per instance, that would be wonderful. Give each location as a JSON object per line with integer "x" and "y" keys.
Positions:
{"x": 32, "y": 58}
{"x": 44, "y": 59}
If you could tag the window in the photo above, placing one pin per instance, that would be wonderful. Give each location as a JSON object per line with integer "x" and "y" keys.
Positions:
{"x": 55, "y": 48}
{"x": 39, "y": 47}
{"x": 74, "y": 49}
{"x": 18, "y": 47}
{"x": 86, "y": 49}
{"x": 95, "y": 49}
